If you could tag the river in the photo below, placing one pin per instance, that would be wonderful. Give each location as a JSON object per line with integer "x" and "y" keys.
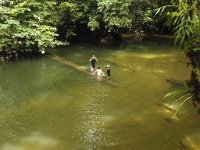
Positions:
{"x": 47, "y": 104}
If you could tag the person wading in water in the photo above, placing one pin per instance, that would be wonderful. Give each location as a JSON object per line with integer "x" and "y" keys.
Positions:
{"x": 108, "y": 71}
{"x": 99, "y": 73}
{"x": 93, "y": 61}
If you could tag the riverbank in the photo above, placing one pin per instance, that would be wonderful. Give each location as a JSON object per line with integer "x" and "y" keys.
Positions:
{"x": 132, "y": 35}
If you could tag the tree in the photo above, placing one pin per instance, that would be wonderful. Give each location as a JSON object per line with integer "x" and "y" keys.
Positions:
{"x": 69, "y": 14}
{"x": 27, "y": 26}
{"x": 107, "y": 18}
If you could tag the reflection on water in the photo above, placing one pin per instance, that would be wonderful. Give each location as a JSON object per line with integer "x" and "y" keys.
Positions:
{"x": 89, "y": 128}
{"x": 46, "y": 104}
{"x": 34, "y": 141}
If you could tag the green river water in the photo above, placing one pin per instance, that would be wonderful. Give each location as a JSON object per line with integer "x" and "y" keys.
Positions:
{"x": 48, "y": 105}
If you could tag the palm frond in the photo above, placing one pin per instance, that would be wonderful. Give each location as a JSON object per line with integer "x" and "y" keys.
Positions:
{"x": 179, "y": 97}
{"x": 180, "y": 105}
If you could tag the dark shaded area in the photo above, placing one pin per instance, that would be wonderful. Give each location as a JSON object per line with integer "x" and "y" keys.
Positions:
{"x": 194, "y": 86}
{"x": 194, "y": 57}
{"x": 20, "y": 56}
{"x": 84, "y": 34}
{"x": 175, "y": 83}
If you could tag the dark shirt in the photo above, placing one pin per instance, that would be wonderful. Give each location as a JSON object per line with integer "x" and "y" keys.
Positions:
{"x": 93, "y": 61}
{"x": 108, "y": 71}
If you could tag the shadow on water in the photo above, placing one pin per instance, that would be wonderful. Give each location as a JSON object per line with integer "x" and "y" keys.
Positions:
{"x": 175, "y": 83}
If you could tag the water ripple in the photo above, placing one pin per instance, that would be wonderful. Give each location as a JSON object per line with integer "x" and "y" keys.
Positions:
{"x": 89, "y": 128}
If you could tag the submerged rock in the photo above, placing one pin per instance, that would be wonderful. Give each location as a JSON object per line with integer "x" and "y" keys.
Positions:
{"x": 192, "y": 142}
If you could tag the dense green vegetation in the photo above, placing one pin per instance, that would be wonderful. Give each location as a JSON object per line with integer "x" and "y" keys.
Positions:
{"x": 27, "y": 26}
{"x": 33, "y": 25}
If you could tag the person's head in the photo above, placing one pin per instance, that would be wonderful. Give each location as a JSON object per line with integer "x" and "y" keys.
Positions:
{"x": 107, "y": 66}
{"x": 98, "y": 67}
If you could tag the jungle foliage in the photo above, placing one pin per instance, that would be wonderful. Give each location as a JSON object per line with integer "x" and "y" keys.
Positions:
{"x": 27, "y": 26}
{"x": 186, "y": 17}
{"x": 32, "y": 25}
